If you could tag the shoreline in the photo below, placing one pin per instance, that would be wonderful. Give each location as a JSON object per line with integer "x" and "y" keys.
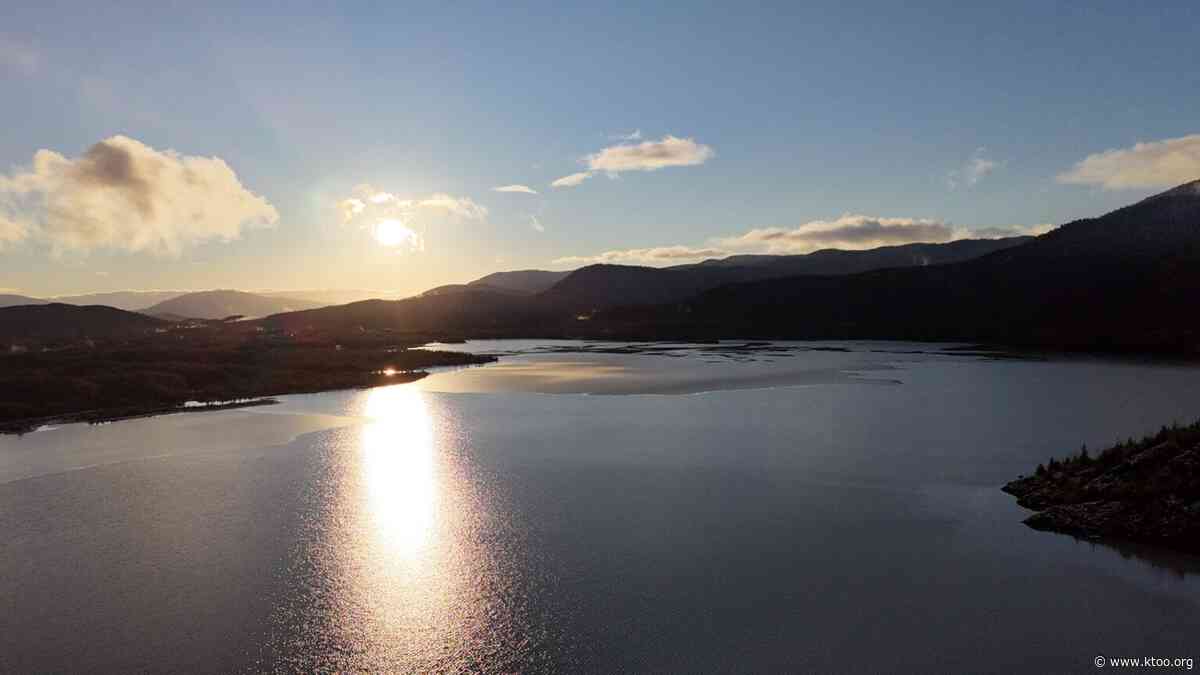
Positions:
{"x": 21, "y": 427}
{"x": 1145, "y": 491}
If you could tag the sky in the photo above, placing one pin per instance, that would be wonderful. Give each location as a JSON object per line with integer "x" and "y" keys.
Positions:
{"x": 402, "y": 146}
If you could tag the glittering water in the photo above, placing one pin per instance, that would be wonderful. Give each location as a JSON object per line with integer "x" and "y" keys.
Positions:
{"x": 798, "y": 510}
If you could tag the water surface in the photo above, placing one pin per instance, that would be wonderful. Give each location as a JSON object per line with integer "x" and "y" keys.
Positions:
{"x": 599, "y": 508}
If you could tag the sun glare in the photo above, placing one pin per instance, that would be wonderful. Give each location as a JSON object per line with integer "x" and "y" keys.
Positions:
{"x": 393, "y": 233}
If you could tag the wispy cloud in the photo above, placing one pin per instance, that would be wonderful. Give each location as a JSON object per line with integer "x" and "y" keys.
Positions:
{"x": 976, "y": 168}
{"x": 1158, "y": 164}
{"x": 536, "y": 224}
{"x": 515, "y": 188}
{"x": 572, "y": 180}
{"x": 123, "y": 194}
{"x": 646, "y": 156}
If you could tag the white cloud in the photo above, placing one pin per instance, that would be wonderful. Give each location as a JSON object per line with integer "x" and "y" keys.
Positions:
{"x": 572, "y": 180}
{"x": 11, "y": 231}
{"x": 515, "y": 188}
{"x": 1159, "y": 164}
{"x": 661, "y": 255}
{"x": 635, "y": 135}
{"x": 650, "y": 155}
{"x": 645, "y": 156}
{"x": 123, "y": 194}
{"x": 851, "y": 232}
{"x": 395, "y": 221}
{"x": 1002, "y": 231}
{"x": 974, "y": 170}
{"x": 536, "y": 224}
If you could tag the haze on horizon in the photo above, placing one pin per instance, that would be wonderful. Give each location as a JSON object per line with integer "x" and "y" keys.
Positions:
{"x": 404, "y": 148}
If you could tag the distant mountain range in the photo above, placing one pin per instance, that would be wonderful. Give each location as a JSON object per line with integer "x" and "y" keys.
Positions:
{"x": 1123, "y": 281}
{"x": 130, "y": 300}
{"x": 1127, "y": 280}
{"x": 9, "y": 300}
{"x": 225, "y": 303}
{"x": 140, "y": 300}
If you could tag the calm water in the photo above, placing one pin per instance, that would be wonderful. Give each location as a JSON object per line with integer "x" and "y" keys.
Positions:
{"x": 679, "y": 510}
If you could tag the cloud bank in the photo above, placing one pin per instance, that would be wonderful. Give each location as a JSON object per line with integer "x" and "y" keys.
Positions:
{"x": 122, "y": 194}
{"x": 1160, "y": 164}
{"x": 661, "y": 255}
{"x": 645, "y": 156}
{"x": 849, "y": 232}
{"x": 515, "y": 188}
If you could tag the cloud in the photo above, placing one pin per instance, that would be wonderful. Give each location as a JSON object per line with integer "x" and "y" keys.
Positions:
{"x": 536, "y": 224}
{"x": 572, "y": 180}
{"x": 11, "y": 231}
{"x": 122, "y": 194}
{"x": 1159, "y": 164}
{"x": 515, "y": 188}
{"x": 662, "y": 255}
{"x": 646, "y": 156}
{"x": 848, "y": 232}
{"x": 635, "y": 135}
{"x": 650, "y": 155}
{"x": 394, "y": 221}
{"x": 1002, "y": 231}
{"x": 976, "y": 169}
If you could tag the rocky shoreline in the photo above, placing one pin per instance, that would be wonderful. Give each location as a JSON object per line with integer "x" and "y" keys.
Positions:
{"x": 1142, "y": 491}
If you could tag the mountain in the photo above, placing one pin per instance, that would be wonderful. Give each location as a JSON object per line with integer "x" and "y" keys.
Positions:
{"x": 521, "y": 281}
{"x": 7, "y": 300}
{"x": 479, "y": 312}
{"x": 129, "y": 300}
{"x": 58, "y": 321}
{"x": 510, "y": 310}
{"x": 1127, "y": 280}
{"x": 601, "y": 286}
{"x": 322, "y": 297}
{"x": 472, "y": 287}
{"x": 220, "y": 304}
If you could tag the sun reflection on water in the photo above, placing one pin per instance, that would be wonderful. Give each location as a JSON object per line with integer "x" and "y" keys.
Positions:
{"x": 399, "y": 469}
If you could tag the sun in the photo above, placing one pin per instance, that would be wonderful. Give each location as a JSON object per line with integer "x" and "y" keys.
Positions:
{"x": 393, "y": 233}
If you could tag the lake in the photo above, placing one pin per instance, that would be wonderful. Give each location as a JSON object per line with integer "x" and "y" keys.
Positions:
{"x": 601, "y": 508}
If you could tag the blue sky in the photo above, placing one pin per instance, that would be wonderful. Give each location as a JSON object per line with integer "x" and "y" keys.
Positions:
{"x": 913, "y": 118}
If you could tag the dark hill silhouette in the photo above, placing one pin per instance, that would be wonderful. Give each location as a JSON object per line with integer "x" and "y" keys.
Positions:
{"x": 601, "y": 286}
{"x": 1126, "y": 281}
{"x": 478, "y": 312}
{"x": 521, "y": 281}
{"x": 471, "y": 287}
{"x": 130, "y": 300}
{"x": 223, "y": 303}
{"x": 9, "y": 300}
{"x": 58, "y": 321}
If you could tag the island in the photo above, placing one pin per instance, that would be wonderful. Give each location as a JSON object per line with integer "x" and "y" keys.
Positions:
{"x": 1145, "y": 491}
